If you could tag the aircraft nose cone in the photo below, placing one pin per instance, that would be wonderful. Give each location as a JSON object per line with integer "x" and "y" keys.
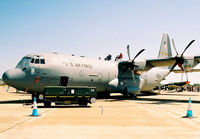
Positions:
{"x": 13, "y": 77}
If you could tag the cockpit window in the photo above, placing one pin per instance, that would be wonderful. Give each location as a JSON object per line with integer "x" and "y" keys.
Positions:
{"x": 24, "y": 62}
{"x": 37, "y": 61}
{"x": 42, "y": 61}
{"x": 32, "y": 60}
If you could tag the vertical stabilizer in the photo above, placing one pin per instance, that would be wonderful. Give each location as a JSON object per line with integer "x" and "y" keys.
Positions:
{"x": 165, "y": 47}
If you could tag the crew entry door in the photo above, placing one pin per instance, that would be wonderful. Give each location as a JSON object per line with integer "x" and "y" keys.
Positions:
{"x": 64, "y": 80}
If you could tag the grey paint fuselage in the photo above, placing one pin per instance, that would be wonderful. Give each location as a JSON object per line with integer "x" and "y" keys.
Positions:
{"x": 81, "y": 71}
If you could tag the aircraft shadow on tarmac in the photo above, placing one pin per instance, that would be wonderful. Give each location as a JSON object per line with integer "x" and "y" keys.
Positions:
{"x": 65, "y": 106}
{"x": 150, "y": 100}
{"x": 20, "y": 101}
{"x": 110, "y": 99}
{"x": 29, "y": 102}
{"x": 179, "y": 94}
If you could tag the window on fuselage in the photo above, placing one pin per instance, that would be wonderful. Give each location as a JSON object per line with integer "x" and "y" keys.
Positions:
{"x": 42, "y": 61}
{"x": 32, "y": 60}
{"x": 37, "y": 61}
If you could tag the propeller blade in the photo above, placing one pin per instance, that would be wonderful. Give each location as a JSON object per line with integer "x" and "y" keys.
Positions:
{"x": 174, "y": 46}
{"x": 175, "y": 64}
{"x": 186, "y": 76}
{"x": 181, "y": 77}
{"x": 124, "y": 70}
{"x": 138, "y": 54}
{"x": 185, "y": 72}
{"x": 132, "y": 65}
{"x": 133, "y": 76}
{"x": 128, "y": 51}
{"x": 187, "y": 47}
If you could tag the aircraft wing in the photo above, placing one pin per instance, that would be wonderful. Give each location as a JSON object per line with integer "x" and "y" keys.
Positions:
{"x": 150, "y": 63}
{"x": 197, "y": 58}
{"x": 167, "y": 61}
{"x": 180, "y": 71}
{"x": 153, "y": 62}
{"x": 144, "y": 65}
{"x": 161, "y": 62}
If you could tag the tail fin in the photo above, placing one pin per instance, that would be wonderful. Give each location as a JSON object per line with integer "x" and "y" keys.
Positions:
{"x": 165, "y": 47}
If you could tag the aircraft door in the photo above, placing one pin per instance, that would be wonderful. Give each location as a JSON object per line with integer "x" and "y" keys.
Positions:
{"x": 100, "y": 76}
{"x": 64, "y": 80}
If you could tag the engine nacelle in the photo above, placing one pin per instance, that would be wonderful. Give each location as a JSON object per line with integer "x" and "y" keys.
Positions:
{"x": 126, "y": 86}
{"x": 189, "y": 62}
{"x": 114, "y": 83}
{"x": 140, "y": 65}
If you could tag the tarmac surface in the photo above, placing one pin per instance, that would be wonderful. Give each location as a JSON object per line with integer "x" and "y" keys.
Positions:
{"x": 157, "y": 116}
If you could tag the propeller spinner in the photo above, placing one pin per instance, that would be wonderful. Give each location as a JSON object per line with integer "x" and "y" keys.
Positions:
{"x": 132, "y": 64}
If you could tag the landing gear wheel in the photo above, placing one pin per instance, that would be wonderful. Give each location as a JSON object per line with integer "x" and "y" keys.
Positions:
{"x": 103, "y": 95}
{"x": 82, "y": 102}
{"x": 128, "y": 95}
{"x": 125, "y": 95}
{"x": 47, "y": 103}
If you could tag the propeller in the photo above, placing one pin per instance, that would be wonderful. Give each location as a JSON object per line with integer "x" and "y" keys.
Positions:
{"x": 128, "y": 52}
{"x": 132, "y": 64}
{"x": 179, "y": 58}
{"x": 181, "y": 76}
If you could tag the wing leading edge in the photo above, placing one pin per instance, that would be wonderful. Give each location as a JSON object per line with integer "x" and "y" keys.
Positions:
{"x": 145, "y": 65}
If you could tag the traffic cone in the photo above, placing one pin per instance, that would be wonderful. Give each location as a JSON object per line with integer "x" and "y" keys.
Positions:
{"x": 35, "y": 111}
{"x": 189, "y": 111}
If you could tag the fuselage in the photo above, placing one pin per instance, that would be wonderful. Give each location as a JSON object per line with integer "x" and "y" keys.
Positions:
{"x": 35, "y": 71}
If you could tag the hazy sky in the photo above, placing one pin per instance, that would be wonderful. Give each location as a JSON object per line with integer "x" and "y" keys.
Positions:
{"x": 95, "y": 28}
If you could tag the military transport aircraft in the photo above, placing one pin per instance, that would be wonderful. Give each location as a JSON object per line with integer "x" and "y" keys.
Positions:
{"x": 130, "y": 77}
